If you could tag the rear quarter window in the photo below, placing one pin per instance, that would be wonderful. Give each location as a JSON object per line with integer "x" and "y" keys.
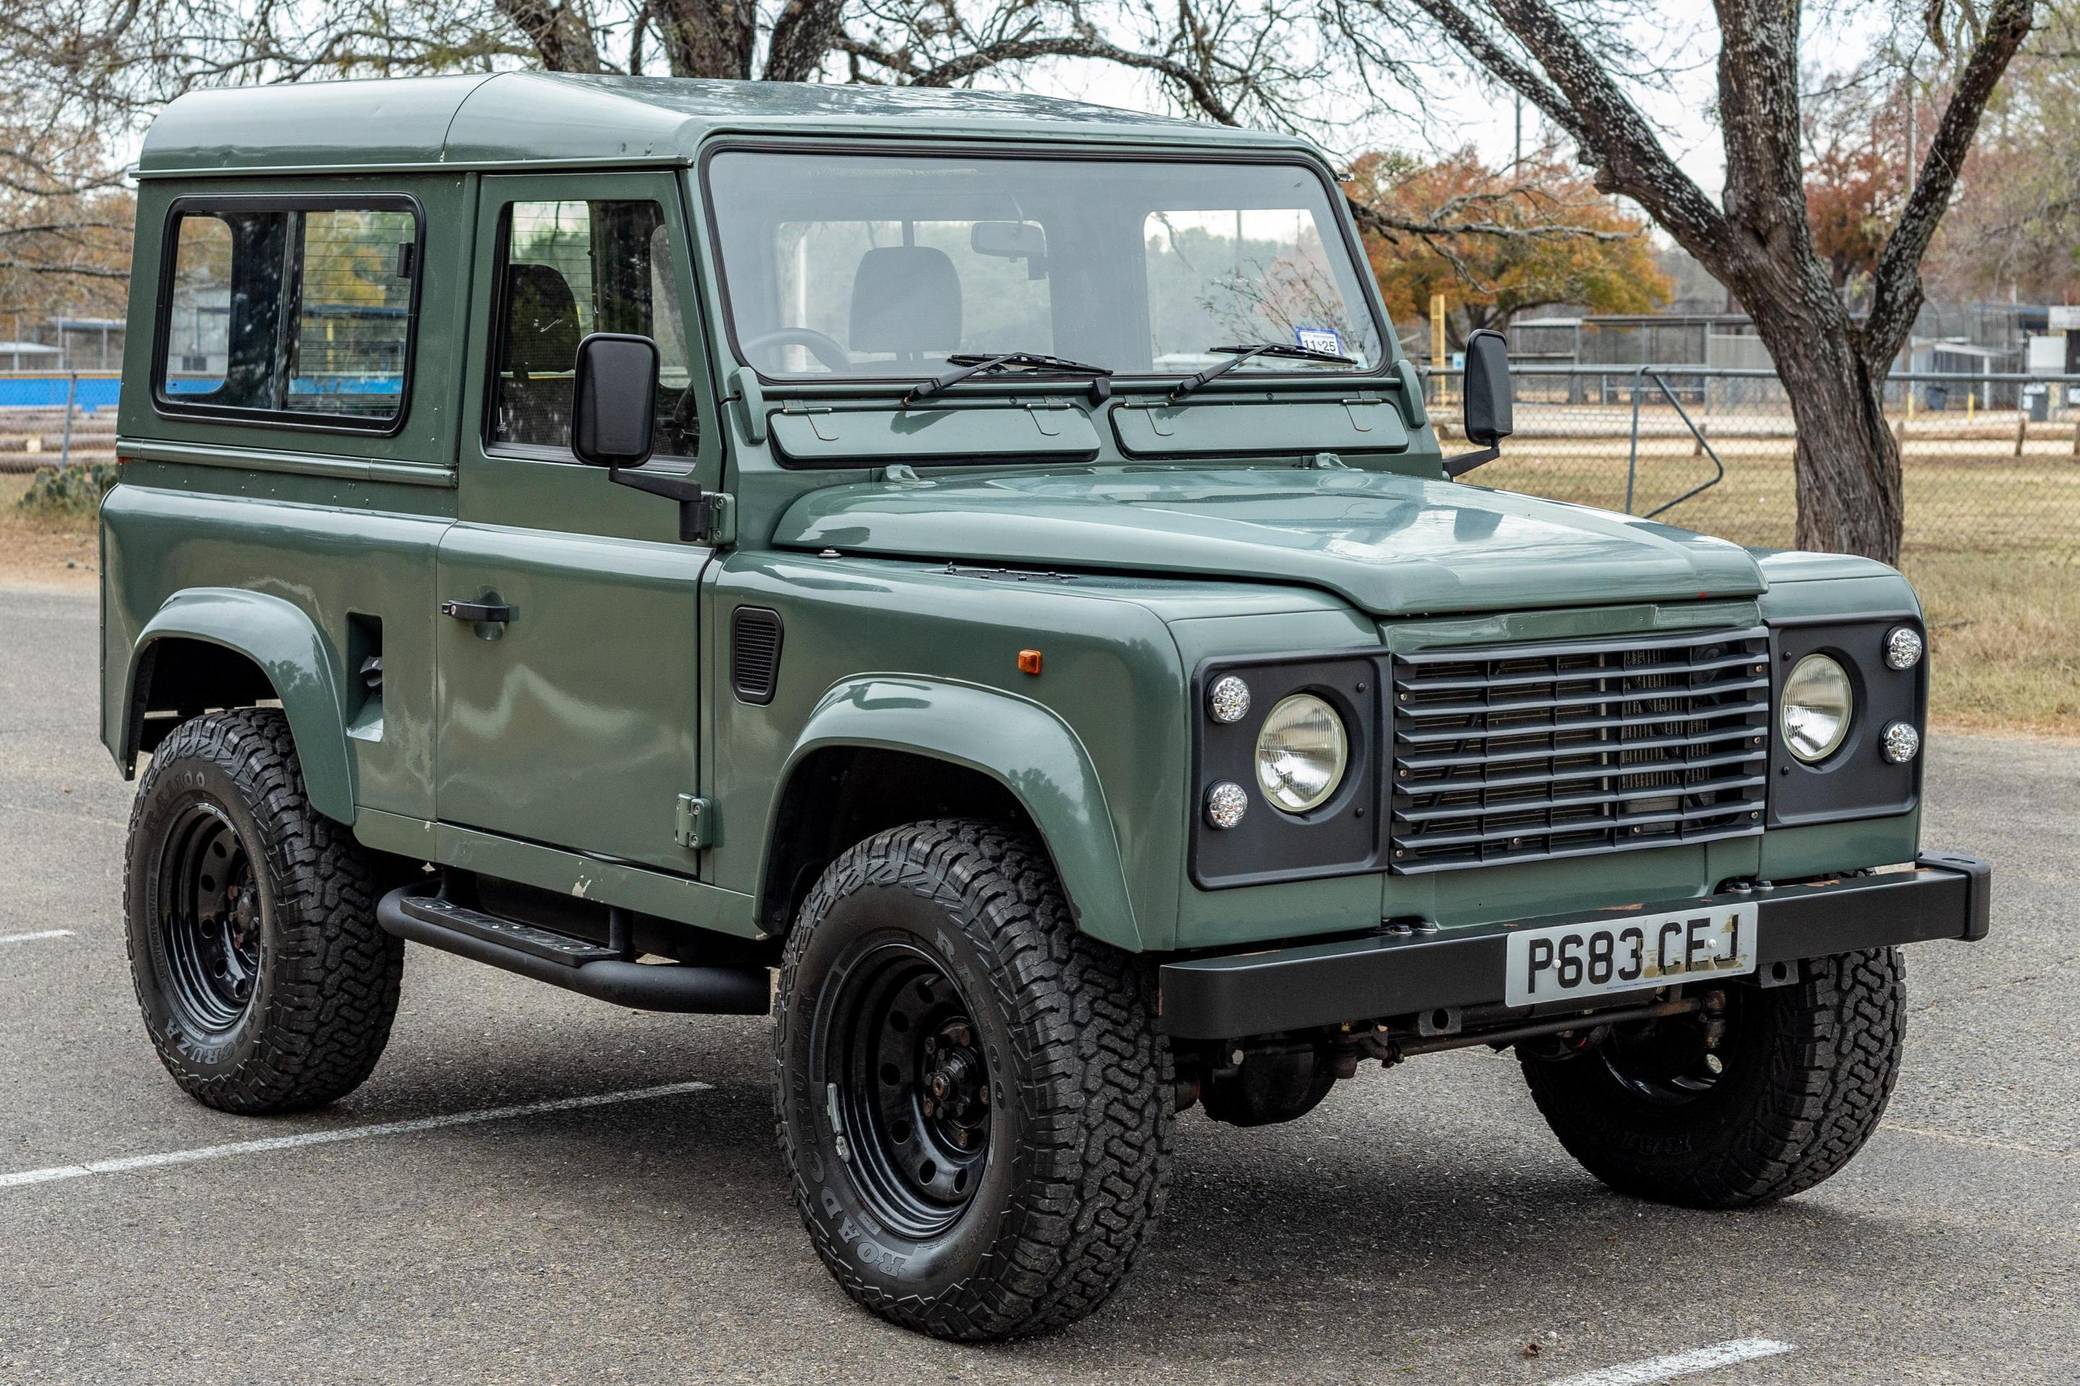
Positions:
{"x": 298, "y": 311}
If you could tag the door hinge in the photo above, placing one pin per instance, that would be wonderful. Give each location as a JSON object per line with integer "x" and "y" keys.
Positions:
{"x": 697, "y": 826}
{"x": 719, "y": 518}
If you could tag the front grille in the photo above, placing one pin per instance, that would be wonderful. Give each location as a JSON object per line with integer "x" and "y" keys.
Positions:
{"x": 1526, "y": 752}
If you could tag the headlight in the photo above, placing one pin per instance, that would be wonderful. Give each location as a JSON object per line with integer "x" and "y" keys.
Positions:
{"x": 1817, "y": 707}
{"x": 1301, "y": 753}
{"x": 1903, "y": 647}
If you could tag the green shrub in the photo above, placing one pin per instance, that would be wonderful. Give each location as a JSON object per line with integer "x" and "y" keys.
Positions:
{"x": 67, "y": 493}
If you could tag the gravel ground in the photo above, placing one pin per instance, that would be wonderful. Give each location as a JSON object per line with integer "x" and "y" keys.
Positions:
{"x": 1421, "y": 1225}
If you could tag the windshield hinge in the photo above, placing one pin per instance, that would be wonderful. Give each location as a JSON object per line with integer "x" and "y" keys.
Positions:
{"x": 750, "y": 398}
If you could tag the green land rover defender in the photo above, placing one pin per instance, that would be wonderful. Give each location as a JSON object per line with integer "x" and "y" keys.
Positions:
{"x": 973, "y": 577}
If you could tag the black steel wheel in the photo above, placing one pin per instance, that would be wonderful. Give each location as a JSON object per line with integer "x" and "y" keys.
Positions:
{"x": 263, "y": 978}
{"x": 973, "y": 1099}
{"x": 207, "y": 910}
{"x": 1786, "y": 1095}
{"x": 903, "y": 1064}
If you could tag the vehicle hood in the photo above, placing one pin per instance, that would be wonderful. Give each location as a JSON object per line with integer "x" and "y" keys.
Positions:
{"x": 1392, "y": 545}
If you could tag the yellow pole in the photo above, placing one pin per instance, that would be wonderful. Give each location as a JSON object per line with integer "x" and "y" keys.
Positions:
{"x": 1971, "y": 404}
{"x": 1437, "y": 361}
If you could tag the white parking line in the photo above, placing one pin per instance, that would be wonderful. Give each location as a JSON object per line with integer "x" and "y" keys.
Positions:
{"x": 127, "y": 1163}
{"x": 1704, "y": 1359}
{"x": 31, "y": 938}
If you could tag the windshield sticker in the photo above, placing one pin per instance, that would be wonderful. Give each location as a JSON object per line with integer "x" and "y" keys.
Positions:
{"x": 1319, "y": 339}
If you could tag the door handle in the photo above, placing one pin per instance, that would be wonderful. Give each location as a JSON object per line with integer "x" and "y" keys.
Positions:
{"x": 497, "y": 613}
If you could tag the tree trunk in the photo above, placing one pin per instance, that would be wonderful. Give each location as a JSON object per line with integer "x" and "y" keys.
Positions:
{"x": 1847, "y": 462}
{"x": 708, "y": 38}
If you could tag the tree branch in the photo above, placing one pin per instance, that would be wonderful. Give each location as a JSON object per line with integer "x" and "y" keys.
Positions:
{"x": 1896, "y": 293}
{"x": 1575, "y": 91}
{"x": 1194, "y": 81}
{"x": 1392, "y": 227}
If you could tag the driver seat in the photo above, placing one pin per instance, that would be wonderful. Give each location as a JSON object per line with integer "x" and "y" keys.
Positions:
{"x": 537, "y": 358}
{"x": 906, "y": 301}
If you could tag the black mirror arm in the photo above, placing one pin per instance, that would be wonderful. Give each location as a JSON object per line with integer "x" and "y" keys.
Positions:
{"x": 1455, "y": 467}
{"x": 695, "y": 512}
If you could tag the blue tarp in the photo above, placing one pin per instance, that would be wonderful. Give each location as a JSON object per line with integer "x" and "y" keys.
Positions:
{"x": 48, "y": 391}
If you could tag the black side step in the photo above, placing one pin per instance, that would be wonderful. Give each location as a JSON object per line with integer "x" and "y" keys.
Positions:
{"x": 574, "y": 964}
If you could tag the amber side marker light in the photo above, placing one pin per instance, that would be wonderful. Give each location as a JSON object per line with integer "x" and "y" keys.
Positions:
{"x": 1029, "y": 662}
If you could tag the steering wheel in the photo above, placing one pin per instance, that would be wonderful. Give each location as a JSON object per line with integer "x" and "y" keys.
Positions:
{"x": 829, "y": 350}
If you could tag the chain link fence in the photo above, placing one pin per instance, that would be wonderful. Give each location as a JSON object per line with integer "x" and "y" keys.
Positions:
{"x": 56, "y": 418}
{"x": 1990, "y": 463}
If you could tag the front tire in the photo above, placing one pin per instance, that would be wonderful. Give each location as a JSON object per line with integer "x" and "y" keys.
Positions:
{"x": 265, "y": 982}
{"x": 973, "y": 1100}
{"x": 1790, "y": 1095}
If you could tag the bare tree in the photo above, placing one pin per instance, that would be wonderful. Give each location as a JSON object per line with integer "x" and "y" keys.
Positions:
{"x": 1756, "y": 239}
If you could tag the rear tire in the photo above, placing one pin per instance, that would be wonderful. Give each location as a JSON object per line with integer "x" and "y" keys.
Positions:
{"x": 265, "y": 983}
{"x": 1805, "y": 1071}
{"x": 973, "y": 1101}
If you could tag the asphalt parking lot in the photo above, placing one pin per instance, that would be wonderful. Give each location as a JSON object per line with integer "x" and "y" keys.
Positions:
{"x": 1421, "y": 1225}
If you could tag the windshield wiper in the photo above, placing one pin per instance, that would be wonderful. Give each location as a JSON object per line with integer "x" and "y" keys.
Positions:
{"x": 1244, "y": 354}
{"x": 972, "y": 365}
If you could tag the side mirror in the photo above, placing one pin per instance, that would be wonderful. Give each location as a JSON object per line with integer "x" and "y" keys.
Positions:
{"x": 614, "y": 425}
{"x": 1488, "y": 416}
{"x": 614, "y": 400}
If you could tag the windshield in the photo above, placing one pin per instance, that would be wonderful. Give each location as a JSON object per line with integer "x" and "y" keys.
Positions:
{"x": 876, "y": 265}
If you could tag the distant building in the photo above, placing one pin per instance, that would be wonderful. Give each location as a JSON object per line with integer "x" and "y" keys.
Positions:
{"x": 28, "y": 356}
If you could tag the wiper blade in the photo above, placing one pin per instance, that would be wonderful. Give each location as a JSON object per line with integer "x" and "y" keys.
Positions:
{"x": 1249, "y": 352}
{"x": 972, "y": 364}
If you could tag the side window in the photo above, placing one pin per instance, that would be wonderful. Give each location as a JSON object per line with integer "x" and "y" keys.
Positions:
{"x": 303, "y": 310}
{"x": 570, "y": 269}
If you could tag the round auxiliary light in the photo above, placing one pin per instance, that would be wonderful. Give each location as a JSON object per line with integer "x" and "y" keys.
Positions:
{"x": 1228, "y": 700}
{"x": 1901, "y": 742}
{"x": 1903, "y": 647}
{"x": 1818, "y": 702}
{"x": 1226, "y": 802}
{"x": 1301, "y": 753}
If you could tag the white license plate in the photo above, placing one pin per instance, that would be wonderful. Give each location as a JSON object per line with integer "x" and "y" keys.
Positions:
{"x": 1570, "y": 961}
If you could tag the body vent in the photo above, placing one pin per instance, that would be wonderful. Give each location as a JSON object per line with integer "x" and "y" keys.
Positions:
{"x": 754, "y": 653}
{"x": 1521, "y": 753}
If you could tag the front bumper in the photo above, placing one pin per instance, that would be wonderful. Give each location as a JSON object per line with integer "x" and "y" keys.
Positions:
{"x": 1386, "y": 975}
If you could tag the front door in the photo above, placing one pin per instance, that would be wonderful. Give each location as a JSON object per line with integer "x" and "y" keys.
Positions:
{"x": 572, "y": 721}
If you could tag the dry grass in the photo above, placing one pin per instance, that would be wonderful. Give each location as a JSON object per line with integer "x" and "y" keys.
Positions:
{"x": 2004, "y": 641}
{"x": 60, "y": 553}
